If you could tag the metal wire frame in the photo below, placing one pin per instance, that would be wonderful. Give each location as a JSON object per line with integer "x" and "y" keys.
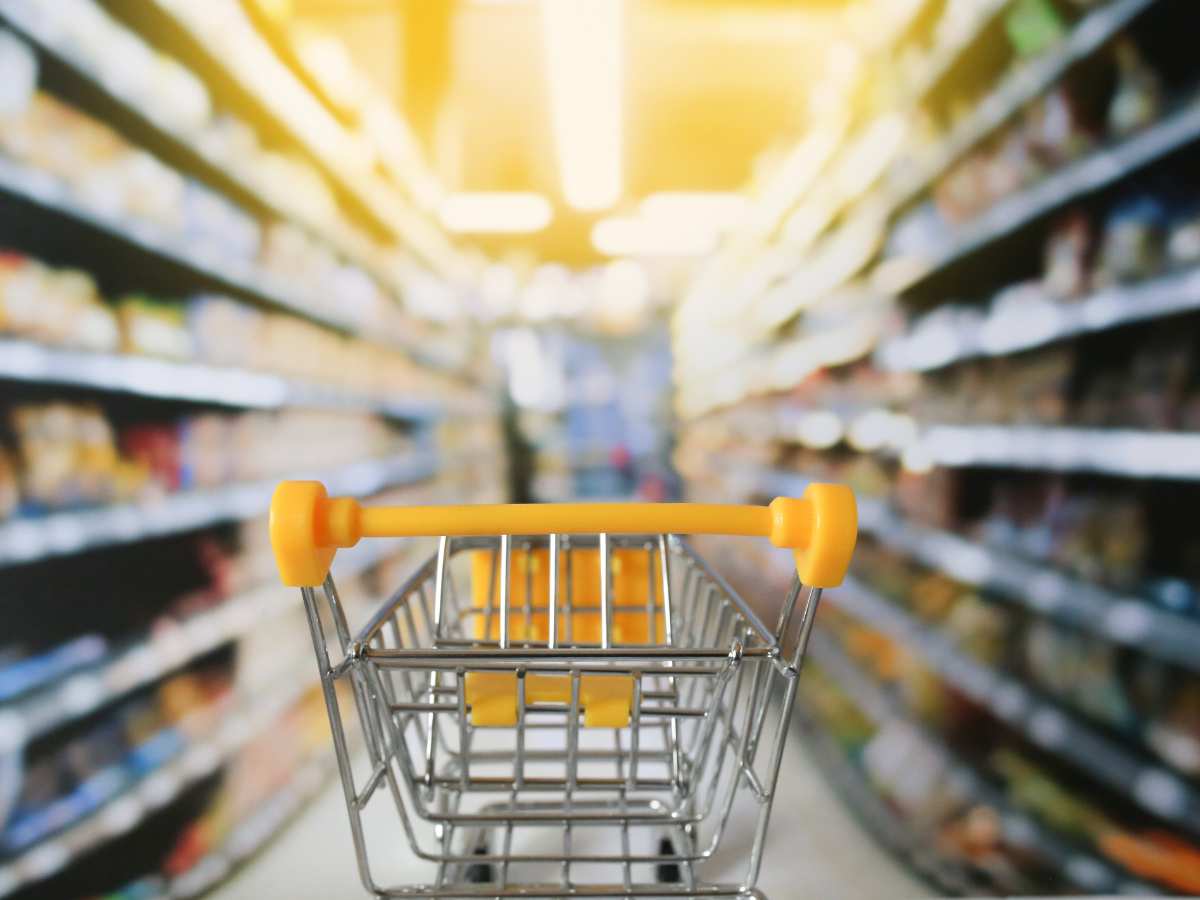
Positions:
{"x": 695, "y": 740}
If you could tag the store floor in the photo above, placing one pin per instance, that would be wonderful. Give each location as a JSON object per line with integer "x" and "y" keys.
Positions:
{"x": 815, "y": 850}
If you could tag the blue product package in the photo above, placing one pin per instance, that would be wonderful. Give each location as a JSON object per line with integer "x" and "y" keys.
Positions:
{"x": 29, "y": 828}
{"x": 154, "y": 751}
{"x": 100, "y": 787}
{"x": 34, "y": 672}
{"x": 1174, "y": 594}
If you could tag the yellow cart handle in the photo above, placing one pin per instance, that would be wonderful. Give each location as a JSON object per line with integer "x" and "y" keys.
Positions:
{"x": 308, "y": 526}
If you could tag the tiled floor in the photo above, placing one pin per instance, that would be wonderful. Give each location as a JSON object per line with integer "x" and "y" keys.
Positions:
{"x": 815, "y": 850}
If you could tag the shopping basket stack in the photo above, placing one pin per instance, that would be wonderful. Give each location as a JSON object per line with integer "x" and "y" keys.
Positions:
{"x": 563, "y": 700}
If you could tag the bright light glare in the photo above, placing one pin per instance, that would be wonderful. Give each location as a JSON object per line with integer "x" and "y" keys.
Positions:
{"x": 583, "y": 46}
{"x": 842, "y": 60}
{"x": 623, "y": 295}
{"x": 495, "y": 213}
{"x": 819, "y": 429}
{"x": 329, "y": 62}
{"x": 635, "y": 236}
{"x": 719, "y": 210}
{"x": 916, "y": 459}
{"x": 871, "y": 430}
{"x": 498, "y": 287}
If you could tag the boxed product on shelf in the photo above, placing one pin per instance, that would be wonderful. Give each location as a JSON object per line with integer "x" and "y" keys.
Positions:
{"x": 132, "y": 189}
{"x": 62, "y": 307}
{"x": 69, "y": 455}
{"x": 1045, "y": 789}
{"x": 931, "y": 799}
{"x": 1118, "y": 92}
{"x": 69, "y": 781}
{"x": 259, "y": 771}
{"x": 128, "y": 66}
{"x": 58, "y": 306}
{"x": 21, "y": 674}
{"x": 1153, "y": 701}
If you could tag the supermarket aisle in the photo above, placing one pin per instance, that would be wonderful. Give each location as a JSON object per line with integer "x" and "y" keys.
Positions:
{"x": 944, "y": 252}
{"x": 816, "y": 850}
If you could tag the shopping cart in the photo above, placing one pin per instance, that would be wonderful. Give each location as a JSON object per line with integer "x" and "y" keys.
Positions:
{"x": 564, "y": 700}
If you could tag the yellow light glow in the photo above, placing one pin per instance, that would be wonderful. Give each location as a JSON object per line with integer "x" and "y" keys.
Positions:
{"x": 328, "y": 60}
{"x": 842, "y": 60}
{"x": 637, "y": 236}
{"x": 400, "y": 152}
{"x": 718, "y": 210}
{"x": 279, "y": 10}
{"x": 583, "y": 47}
{"x": 495, "y": 213}
{"x": 623, "y": 296}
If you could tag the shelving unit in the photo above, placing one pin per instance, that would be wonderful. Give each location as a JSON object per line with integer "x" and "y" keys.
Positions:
{"x": 1094, "y": 172}
{"x": 105, "y": 88}
{"x": 245, "y": 282}
{"x": 741, "y": 372}
{"x": 873, "y": 812}
{"x": 1124, "y": 452}
{"x": 124, "y": 811}
{"x": 1014, "y": 468}
{"x": 57, "y": 534}
{"x": 1002, "y": 333}
{"x": 445, "y": 421}
{"x": 145, "y": 376}
{"x": 1021, "y": 87}
{"x": 108, "y": 93}
{"x": 233, "y": 46}
{"x": 252, "y": 835}
{"x": 1151, "y": 786}
{"x": 151, "y": 659}
{"x": 1086, "y": 872}
{"x": 1130, "y": 620}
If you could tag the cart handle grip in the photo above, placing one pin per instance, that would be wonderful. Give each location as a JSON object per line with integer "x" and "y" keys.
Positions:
{"x": 308, "y": 526}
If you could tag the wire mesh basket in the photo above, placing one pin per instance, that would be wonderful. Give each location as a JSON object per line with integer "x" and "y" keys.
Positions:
{"x": 564, "y": 700}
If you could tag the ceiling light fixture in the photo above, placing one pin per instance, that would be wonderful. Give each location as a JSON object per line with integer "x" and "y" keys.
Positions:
{"x": 720, "y": 210}
{"x": 583, "y": 47}
{"x": 640, "y": 237}
{"x": 495, "y": 213}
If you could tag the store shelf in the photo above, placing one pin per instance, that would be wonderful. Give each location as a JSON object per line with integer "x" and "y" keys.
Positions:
{"x": 879, "y": 818}
{"x": 1036, "y": 324}
{"x": 1074, "y": 181}
{"x": 1018, "y": 89}
{"x": 24, "y": 540}
{"x": 1122, "y": 452}
{"x": 1154, "y": 788}
{"x": 1085, "y": 871}
{"x": 944, "y": 58}
{"x": 185, "y": 381}
{"x": 1108, "y": 451}
{"x": 271, "y": 817}
{"x": 1022, "y": 86}
{"x": 938, "y": 65}
{"x": 112, "y": 92}
{"x": 57, "y": 49}
{"x": 162, "y": 786}
{"x": 147, "y": 661}
{"x": 1123, "y": 618}
{"x": 232, "y": 274}
{"x": 229, "y": 39}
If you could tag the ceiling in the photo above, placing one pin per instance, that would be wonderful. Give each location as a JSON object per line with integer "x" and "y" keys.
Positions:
{"x": 707, "y": 87}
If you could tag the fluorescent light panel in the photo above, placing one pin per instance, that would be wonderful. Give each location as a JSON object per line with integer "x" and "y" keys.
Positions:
{"x": 495, "y": 213}
{"x": 638, "y": 236}
{"x": 717, "y": 209}
{"x": 583, "y": 47}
